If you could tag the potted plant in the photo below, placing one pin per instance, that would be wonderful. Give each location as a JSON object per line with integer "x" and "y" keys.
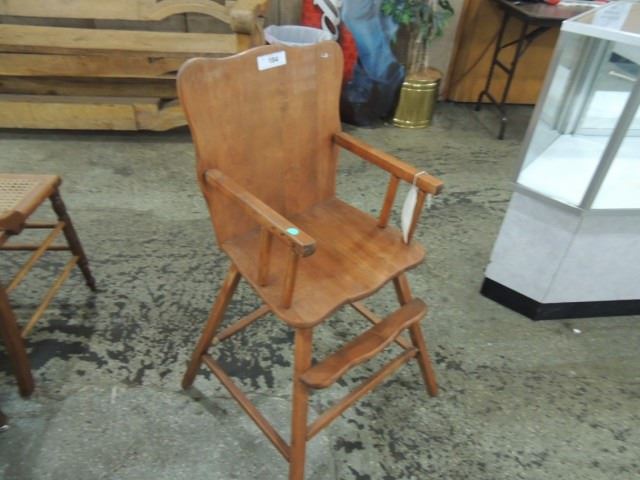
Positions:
{"x": 425, "y": 21}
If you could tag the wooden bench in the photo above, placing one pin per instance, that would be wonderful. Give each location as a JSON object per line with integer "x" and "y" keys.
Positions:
{"x": 110, "y": 64}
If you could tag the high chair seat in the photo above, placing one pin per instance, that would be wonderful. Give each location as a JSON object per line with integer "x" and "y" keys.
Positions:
{"x": 348, "y": 242}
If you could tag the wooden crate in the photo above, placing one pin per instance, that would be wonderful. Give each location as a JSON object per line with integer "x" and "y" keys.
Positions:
{"x": 91, "y": 64}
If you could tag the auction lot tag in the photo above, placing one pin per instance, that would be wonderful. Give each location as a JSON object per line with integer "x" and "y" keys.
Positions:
{"x": 272, "y": 60}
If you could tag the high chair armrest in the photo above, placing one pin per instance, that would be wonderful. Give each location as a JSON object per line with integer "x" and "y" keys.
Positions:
{"x": 303, "y": 244}
{"x": 398, "y": 170}
{"x": 391, "y": 164}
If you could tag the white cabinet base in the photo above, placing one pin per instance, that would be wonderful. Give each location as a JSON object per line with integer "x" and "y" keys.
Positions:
{"x": 555, "y": 261}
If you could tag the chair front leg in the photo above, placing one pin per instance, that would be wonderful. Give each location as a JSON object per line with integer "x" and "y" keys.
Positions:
{"x": 215, "y": 317}
{"x": 72, "y": 238}
{"x": 302, "y": 362}
{"x": 403, "y": 292}
{"x": 15, "y": 346}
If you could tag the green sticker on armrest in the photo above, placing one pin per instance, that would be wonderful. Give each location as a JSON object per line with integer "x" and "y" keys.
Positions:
{"x": 293, "y": 231}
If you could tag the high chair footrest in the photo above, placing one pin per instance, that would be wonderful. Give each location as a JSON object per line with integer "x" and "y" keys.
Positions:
{"x": 362, "y": 348}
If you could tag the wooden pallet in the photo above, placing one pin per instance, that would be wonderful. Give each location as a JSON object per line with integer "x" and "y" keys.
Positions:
{"x": 71, "y": 74}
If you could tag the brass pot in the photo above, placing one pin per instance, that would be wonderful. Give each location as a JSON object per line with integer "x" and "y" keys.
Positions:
{"x": 418, "y": 98}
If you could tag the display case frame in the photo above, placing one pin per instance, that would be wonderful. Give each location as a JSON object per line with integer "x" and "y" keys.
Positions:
{"x": 576, "y": 26}
{"x": 573, "y": 256}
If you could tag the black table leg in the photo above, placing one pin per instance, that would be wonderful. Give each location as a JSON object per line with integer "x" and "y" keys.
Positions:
{"x": 524, "y": 39}
{"x": 494, "y": 61}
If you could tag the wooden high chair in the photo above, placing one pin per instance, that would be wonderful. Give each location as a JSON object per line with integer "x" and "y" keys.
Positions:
{"x": 266, "y": 129}
{"x": 20, "y": 196}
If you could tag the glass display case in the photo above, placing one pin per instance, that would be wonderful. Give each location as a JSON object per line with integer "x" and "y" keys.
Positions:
{"x": 577, "y": 194}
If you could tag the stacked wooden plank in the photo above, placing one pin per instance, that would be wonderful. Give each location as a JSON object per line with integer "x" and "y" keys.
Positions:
{"x": 110, "y": 65}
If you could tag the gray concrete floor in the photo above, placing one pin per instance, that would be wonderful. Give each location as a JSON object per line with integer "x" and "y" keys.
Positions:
{"x": 519, "y": 399}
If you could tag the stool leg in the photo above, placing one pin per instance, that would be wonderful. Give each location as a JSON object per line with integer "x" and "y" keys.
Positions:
{"x": 15, "y": 346}
{"x": 215, "y": 317}
{"x": 302, "y": 362}
{"x": 403, "y": 291}
{"x": 72, "y": 238}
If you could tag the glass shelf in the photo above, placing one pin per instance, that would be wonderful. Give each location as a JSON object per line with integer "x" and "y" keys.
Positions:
{"x": 565, "y": 168}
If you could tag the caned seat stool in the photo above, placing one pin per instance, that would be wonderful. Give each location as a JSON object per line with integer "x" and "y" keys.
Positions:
{"x": 266, "y": 129}
{"x": 20, "y": 196}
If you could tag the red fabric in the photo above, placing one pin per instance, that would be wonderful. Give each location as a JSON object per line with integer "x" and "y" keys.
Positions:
{"x": 350, "y": 51}
{"x": 312, "y": 17}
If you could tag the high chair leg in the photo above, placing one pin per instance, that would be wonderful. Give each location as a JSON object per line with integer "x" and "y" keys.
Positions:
{"x": 424, "y": 360}
{"x": 215, "y": 317}
{"x": 403, "y": 292}
{"x": 302, "y": 362}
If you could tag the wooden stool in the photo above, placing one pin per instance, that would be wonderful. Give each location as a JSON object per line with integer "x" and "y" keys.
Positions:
{"x": 20, "y": 196}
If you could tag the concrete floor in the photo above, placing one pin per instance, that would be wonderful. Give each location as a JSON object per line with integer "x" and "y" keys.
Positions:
{"x": 519, "y": 399}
